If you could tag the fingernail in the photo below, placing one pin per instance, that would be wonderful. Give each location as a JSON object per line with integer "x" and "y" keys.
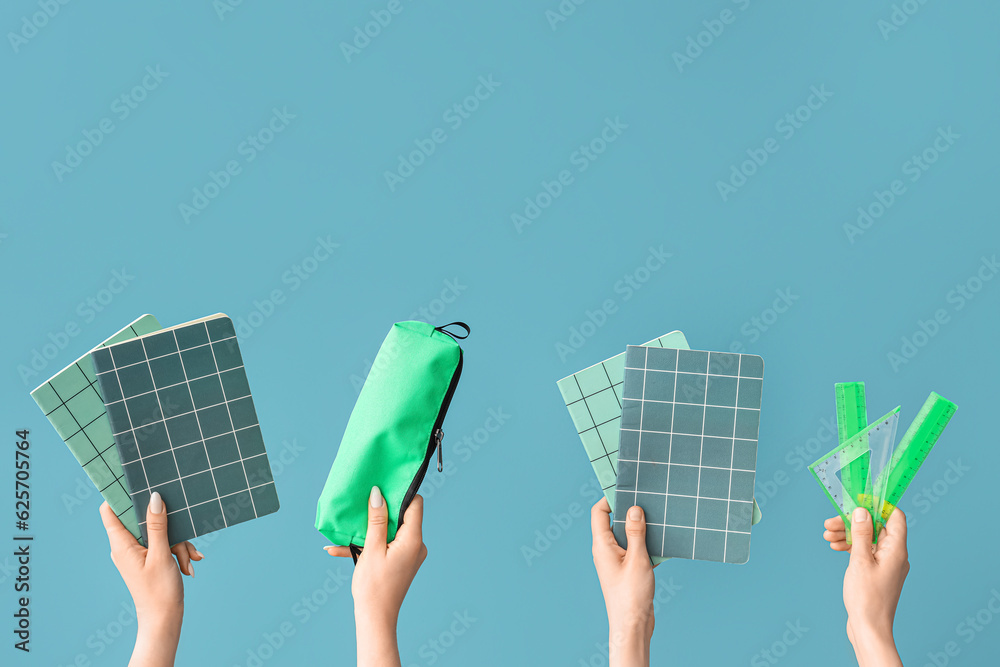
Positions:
{"x": 376, "y": 498}
{"x": 199, "y": 554}
{"x": 191, "y": 569}
{"x": 860, "y": 515}
{"x": 155, "y": 503}
{"x": 635, "y": 513}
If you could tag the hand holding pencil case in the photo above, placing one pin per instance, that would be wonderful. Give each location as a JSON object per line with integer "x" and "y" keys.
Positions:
{"x": 393, "y": 431}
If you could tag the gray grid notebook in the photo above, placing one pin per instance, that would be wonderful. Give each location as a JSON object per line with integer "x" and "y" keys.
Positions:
{"x": 688, "y": 449}
{"x": 185, "y": 425}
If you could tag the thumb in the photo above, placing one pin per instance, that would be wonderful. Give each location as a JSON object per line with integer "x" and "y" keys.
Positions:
{"x": 378, "y": 522}
{"x": 635, "y": 532}
{"x": 156, "y": 527}
{"x": 861, "y": 537}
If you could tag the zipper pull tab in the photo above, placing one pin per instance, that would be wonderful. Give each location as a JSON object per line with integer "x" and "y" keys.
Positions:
{"x": 439, "y": 436}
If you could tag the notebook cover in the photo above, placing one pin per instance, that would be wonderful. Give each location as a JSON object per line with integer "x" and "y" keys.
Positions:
{"x": 71, "y": 402}
{"x": 184, "y": 425}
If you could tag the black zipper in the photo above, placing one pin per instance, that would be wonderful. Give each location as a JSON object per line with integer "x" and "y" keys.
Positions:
{"x": 435, "y": 440}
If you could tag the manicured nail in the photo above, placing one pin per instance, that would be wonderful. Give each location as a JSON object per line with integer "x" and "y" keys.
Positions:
{"x": 860, "y": 515}
{"x": 199, "y": 554}
{"x": 376, "y": 498}
{"x": 191, "y": 569}
{"x": 155, "y": 503}
{"x": 635, "y": 513}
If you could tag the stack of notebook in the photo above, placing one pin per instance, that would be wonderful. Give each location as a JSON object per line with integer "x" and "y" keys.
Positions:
{"x": 166, "y": 410}
{"x": 674, "y": 431}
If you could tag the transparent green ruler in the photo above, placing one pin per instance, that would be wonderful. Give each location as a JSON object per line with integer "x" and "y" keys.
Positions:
{"x": 852, "y": 418}
{"x": 871, "y": 449}
{"x": 912, "y": 451}
{"x": 866, "y": 470}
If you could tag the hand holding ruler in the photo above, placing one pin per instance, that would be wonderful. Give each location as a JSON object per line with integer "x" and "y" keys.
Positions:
{"x": 867, "y": 469}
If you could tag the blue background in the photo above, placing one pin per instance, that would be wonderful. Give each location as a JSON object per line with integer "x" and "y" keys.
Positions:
{"x": 521, "y": 290}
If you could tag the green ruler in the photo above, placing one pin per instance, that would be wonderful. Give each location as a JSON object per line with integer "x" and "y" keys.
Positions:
{"x": 852, "y": 418}
{"x": 867, "y": 469}
{"x": 872, "y": 447}
{"x": 912, "y": 451}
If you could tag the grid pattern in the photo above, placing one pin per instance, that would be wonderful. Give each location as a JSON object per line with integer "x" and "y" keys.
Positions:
{"x": 73, "y": 406}
{"x": 185, "y": 426}
{"x": 593, "y": 398}
{"x": 688, "y": 450}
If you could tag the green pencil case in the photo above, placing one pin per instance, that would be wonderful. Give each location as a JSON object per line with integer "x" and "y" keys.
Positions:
{"x": 393, "y": 431}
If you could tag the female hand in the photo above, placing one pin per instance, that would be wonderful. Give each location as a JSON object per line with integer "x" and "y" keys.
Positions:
{"x": 628, "y": 585}
{"x": 382, "y": 576}
{"x": 873, "y": 582}
{"x": 153, "y": 578}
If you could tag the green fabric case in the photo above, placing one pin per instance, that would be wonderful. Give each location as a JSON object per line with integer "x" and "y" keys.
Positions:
{"x": 393, "y": 431}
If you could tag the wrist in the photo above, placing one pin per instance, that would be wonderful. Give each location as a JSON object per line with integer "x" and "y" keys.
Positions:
{"x": 628, "y": 644}
{"x": 374, "y": 619}
{"x": 874, "y": 644}
{"x": 160, "y": 622}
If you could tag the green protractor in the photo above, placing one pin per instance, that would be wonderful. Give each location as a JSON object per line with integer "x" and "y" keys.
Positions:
{"x": 852, "y": 418}
{"x": 912, "y": 451}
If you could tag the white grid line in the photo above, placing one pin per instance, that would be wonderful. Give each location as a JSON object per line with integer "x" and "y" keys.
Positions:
{"x": 169, "y": 386}
{"x": 159, "y": 356}
{"x": 730, "y": 502}
{"x": 225, "y": 523}
{"x": 220, "y": 499}
{"x": 670, "y": 447}
{"x": 238, "y": 449}
{"x": 164, "y": 418}
{"x": 144, "y": 474}
{"x": 638, "y": 451}
{"x": 729, "y": 489}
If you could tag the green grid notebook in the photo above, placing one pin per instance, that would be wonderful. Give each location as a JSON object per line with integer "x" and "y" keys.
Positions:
{"x": 688, "y": 450}
{"x": 185, "y": 426}
{"x": 71, "y": 402}
{"x": 593, "y": 398}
